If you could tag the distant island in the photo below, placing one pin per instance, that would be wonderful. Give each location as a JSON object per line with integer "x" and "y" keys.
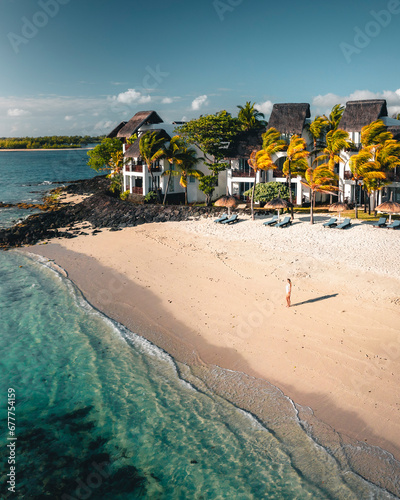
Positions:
{"x": 48, "y": 142}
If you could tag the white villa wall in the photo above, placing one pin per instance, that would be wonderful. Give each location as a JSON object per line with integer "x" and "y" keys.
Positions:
{"x": 229, "y": 184}
{"x": 194, "y": 194}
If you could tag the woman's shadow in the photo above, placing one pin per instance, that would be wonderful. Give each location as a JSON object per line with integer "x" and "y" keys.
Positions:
{"x": 317, "y": 299}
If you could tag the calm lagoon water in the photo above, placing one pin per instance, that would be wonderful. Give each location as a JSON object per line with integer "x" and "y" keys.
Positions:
{"x": 101, "y": 413}
{"x": 26, "y": 175}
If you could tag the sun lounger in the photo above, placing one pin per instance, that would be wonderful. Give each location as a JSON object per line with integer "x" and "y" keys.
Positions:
{"x": 344, "y": 224}
{"x": 231, "y": 220}
{"x": 286, "y": 221}
{"x": 394, "y": 225}
{"x": 222, "y": 218}
{"x": 381, "y": 222}
{"x": 272, "y": 221}
{"x": 331, "y": 222}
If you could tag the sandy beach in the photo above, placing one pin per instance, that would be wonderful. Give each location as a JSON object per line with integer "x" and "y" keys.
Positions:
{"x": 215, "y": 295}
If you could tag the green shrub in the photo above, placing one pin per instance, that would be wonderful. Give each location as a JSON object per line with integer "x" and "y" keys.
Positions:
{"x": 267, "y": 191}
{"x": 116, "y": 183}
{"x": 124, "y": 195}
{"x": 151, "y": 197}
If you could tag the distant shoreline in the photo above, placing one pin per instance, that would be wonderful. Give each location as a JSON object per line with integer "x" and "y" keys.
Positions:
{"x": 47, "y": 149}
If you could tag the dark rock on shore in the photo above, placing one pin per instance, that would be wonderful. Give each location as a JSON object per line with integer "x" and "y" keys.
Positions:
{"x": 101, "y": 209}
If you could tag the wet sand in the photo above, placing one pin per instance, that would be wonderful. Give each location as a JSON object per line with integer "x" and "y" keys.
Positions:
{"x": 213, "y": 295}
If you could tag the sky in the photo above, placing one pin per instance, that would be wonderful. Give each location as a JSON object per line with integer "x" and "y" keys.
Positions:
{"x": 81, "y": 67}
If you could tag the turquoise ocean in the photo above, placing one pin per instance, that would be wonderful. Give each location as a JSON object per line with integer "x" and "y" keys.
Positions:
{"x": 102, "y": 413}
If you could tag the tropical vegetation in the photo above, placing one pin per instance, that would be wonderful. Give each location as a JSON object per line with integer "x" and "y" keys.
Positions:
{"x": 262, "y": 160}
{"x": 214, "y": 136}
{"x": 319, "y": 180}
{"x": 151, "y": 149}
{"x": 296, "y": 161}
{"x": 335, "y": 116}
{"x": 379, "y": 154}
{"x": 250, "y": 118}
{"x": 185, "y": 159}
{"x": 48, "y": 142}
{"x": 267, "y": 191}
{"x": 100, "y": 156}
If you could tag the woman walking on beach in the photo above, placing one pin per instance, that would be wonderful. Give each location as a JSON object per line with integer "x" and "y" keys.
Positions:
{"x": 288, "y": 292}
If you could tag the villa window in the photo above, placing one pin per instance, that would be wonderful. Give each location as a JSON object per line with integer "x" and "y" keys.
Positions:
{"x": 243, "y": 164}
{"x": 192, "y": 179}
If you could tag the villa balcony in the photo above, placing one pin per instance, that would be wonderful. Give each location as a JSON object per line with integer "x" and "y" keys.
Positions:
{"x": 134, "y": 168}
{"x": 242, "y": 173}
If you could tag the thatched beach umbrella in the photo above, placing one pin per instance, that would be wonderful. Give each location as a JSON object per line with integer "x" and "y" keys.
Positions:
{"x": 277, "y": 204}
{"x": 338, "y": 207}
{"x": 389, "y": 207}
{"x": 228, "y": 202}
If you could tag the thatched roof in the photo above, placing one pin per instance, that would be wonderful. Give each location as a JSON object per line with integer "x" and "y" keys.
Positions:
{"x": 115, "y": 131}
{"x": 244, "y": 144}
{"x": 277, "y": 203}
{"x": 134, "y": 151}
{"x": 289, "y": 118}
{"x": 338, "y": 207}
{"x": 226, "y": 201}
{"x": 141, "y": 118}
{"x": 357, "y": 114}
{"x": 389, "y": 207}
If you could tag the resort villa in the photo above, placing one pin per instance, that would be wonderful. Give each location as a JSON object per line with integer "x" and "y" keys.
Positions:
{"x": 136, "y": 177}
{"x": 288, "y": 119}
{"x": 356, "y": 115}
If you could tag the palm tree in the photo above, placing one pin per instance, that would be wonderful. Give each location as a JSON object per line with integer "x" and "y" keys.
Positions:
{"x": 151, "y": 149}
{"x": 172, "y": 154}
{"x": 335, "y": 116}
{"x": 296, "y": 161}
{"x": 364, "y": 168}
{"x": 258, "y": 161}
{"x": 249, "y": 117}
{"x": 262, "y": 160}
{"x": 385, "y": 152}
{"x": 132, "y": 139}
{"x": 316, "y": 129}
{"x": 185, "y": 159}
{"x": 116, "y": 164}
{"x": 375, "y": 133}
{"x": 319, "y": 180}
{"x": 336, "y": 141}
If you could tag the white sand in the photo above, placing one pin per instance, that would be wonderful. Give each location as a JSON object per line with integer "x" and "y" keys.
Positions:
{"x": 218, "y": 292}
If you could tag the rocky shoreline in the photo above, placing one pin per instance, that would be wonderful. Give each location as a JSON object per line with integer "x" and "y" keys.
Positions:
{"x": 100, "y": 209}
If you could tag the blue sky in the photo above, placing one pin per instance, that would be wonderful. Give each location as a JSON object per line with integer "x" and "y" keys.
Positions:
{"x": 72, "y": 67}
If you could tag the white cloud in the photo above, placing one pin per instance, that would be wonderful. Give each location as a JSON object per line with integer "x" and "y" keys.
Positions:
{"x": 167, "y": 100}
{"x": 198, "y": 102}
{"x": 68, "y": 118}
{"x": 324, "y": 103}
{"x": 46, "y": 115}
{"x": 17, "y": 112}
{"x": 104, "y": 126}
{"x": 264, "y": 107}
{"x": 132, "y": 96}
